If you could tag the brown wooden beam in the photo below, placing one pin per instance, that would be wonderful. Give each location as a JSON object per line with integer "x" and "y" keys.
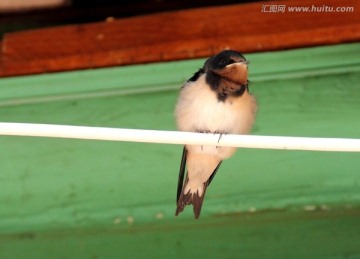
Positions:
{"x": 177, "y": 35}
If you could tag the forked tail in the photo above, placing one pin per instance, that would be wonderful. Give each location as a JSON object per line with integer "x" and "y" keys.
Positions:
{"x": 193, "y": 197}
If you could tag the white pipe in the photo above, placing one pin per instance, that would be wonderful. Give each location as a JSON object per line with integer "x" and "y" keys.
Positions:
{"x": 177, "y": 137}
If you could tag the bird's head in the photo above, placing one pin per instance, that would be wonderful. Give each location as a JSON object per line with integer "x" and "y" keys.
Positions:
{"x": 227, "y": 73}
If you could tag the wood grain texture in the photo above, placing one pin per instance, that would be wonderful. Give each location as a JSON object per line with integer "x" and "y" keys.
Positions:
{"x": 177, "y": 35}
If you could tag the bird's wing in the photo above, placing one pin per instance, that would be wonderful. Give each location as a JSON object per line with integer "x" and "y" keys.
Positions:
{"x": 213, "y": 174}
{"x": 181, "y": 173}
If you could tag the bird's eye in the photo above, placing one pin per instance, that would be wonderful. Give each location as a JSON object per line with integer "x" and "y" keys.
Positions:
{"x": 224, "y": 62}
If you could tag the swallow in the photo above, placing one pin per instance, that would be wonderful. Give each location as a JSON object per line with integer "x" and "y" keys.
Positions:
{"x": 214, "y": 100}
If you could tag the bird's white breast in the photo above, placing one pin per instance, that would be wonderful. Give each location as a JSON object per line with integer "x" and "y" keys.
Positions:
{"x": 199, "y": 110}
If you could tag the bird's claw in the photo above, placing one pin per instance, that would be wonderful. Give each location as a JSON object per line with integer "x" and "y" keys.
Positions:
{"x": 221, "y": 134}
{"x": 215, "y": 132}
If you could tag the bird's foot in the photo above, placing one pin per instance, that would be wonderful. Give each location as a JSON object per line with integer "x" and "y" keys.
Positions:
{"x": 214, "y": 132}
{"x": 221, "y": 134}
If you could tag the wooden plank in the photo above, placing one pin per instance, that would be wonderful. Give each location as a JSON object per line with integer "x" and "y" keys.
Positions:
{"x": 163, "y": 76}
{"x": 177, "y": 35}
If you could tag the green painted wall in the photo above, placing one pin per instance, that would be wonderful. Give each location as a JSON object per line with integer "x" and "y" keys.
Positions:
{"x": 94, "y": 199}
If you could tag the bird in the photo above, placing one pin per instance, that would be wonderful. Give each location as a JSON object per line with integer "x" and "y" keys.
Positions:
{"x": 215, "y": 100}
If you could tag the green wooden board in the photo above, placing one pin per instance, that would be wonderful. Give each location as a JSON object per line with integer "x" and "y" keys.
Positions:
{"x": 95, "y": 199}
